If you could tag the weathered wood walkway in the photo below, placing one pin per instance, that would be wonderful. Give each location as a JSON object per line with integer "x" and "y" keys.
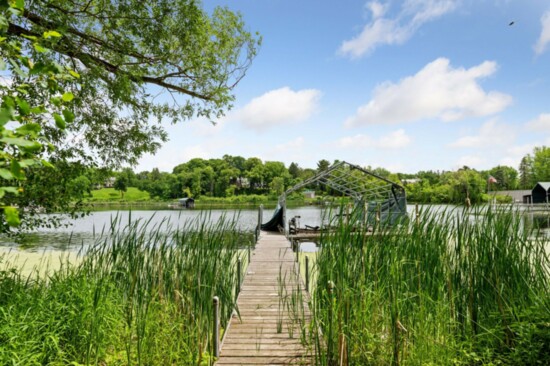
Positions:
{"x": 274, "y": 315}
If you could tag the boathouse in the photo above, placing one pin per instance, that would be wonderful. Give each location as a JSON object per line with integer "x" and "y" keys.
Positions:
{"x": 541, "y": 192}
{"x": 187, "y": 202}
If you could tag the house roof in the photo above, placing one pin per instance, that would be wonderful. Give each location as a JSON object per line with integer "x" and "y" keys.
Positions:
{"x": 545, "y": 185}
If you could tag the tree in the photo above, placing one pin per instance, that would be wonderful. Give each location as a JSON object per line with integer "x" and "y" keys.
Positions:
{"x": 277, "y": 186}
{"x": 121, "y": 184}
{"x": 466, "y": 183}
{"x": 507, "y": 177}
{"x": 526, "y": 174}
{"x": 541, "y": 164}
{"x": 127, "y": 51}
{"x": 322, "y": 165}
{"x": 294, "y": 170}
{"x": 24, "y": 122}
{"x": 89, "y": 79}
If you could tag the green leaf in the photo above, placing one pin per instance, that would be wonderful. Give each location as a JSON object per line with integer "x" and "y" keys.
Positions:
{"x": 69, "y": 116}
{"x": 74, "y": 73}
{"x": 67, "y": 97}
{"x": 3, "y": 24}
{"x": 55, "y": 101}
{"x": 12, "y": 216}
{"x": 17, "y": 170}
{"x": 39, "y": 48}
{"x": 24, "y": 107}
{"x": 6, "y": 174}
{"x": 47, "y": 164}
{"x": 32, "y": 38}
{"x": 59, "y": 121}
{"x": 38, "y": 110}
{"x": 29, "y": 129}
{"x": 10, "y": 190}
{"x": 49, "y": 34}
{"x": 20, "y": 4}
{"x": 23, "y": 143}
{"x": 25, "y": 163}
{"x": 18, "y": 69}
{"x": 5, "y": 116}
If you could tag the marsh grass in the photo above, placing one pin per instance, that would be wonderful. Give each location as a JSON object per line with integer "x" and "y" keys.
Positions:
{"x": 456, "y": 288}
{"x": 142, "y": 294}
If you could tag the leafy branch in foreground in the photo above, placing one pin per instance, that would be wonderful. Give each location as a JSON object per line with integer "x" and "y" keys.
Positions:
{"x": 23, "y": 141}
{"x": 139, "y": 61}
{"x": 87, "y": 83}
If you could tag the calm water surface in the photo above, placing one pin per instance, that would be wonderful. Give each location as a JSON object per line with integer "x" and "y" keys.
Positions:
{"x": 84, "y": 231}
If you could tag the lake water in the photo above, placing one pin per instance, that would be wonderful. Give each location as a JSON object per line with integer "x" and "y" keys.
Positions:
{"x": 83, "y": 231}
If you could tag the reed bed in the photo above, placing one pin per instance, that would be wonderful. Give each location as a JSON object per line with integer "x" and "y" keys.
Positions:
{"x": 142, "y": 295}
{"x": 451, "y": 288}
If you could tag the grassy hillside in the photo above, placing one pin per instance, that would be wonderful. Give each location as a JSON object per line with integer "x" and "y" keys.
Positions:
{"x": 111, "y": 195}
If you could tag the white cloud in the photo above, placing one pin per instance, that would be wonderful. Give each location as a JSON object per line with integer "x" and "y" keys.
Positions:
{"x": 514, "y": 154}
{"x": 544, "y": 37}
{"x": 436, "y": 91}
{"x": 394, "y": 140}
{"x": 355, "y": 142}
{"x": 490, "y": 134}
{"x": 471, "y": 161}
{"x": 278, "y": 107}
{"x": 203, "y": 127}
{"x": 541, "y": 123}
{"x": 297, "y": 143}
{"x": 412, "y": 15}
{"x": 377, "y": 9}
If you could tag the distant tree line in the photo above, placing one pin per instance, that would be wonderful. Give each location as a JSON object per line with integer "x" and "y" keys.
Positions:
{"x": 235, "y": 175}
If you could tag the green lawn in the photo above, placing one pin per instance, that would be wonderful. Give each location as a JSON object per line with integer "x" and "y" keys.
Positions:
{"x": 111, "y": 195}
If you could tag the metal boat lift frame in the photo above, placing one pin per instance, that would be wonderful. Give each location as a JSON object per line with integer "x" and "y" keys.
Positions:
{"x": 356, "y": 182}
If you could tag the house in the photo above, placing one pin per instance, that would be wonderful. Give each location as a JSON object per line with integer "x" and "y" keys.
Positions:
{"x": 541, "y": 192}
{"x": 309, "y": 194}
{"x": 109, "y": 182}
{"x": 187, "y": 202}
{"x": 518, "y": 196}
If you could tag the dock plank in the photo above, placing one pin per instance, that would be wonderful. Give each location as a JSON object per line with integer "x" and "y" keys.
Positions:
{"x": 268, "y": 329}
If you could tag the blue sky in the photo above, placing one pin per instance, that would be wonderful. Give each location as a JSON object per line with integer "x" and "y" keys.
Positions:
{"x": 406, "y": 85}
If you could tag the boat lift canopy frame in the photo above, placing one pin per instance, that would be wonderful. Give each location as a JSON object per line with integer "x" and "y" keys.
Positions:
{"x": 354, "y": 181}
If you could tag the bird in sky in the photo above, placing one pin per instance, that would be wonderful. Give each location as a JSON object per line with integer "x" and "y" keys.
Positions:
{"x": 511, "y": 23}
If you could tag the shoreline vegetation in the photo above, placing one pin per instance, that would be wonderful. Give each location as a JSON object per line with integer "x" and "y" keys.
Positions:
{"x": 142, "y": 294}
{"x": 463, "y": 287}
{"x": 135, "y": 197}
{"x": 458, "y": 287}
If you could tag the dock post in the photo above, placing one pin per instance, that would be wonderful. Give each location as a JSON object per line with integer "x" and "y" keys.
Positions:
{"x": 330, "y": 356}
{"x": 260, "y": 217}
{"x": 239, "y": 276}
{"x": 261, "y": 214}
{"x": 307, "y": 273}
{"x": 216, "y": 333}
{"x": 249, "y": 253}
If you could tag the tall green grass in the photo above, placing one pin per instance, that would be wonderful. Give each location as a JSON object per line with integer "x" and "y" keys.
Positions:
{"x": 454, "y": 288}
{"x": 142, "y": 295}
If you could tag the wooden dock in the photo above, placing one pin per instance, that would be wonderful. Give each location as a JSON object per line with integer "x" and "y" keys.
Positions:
{"x": 274, "y": 315}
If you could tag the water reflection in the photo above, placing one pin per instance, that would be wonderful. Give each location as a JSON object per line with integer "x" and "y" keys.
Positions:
{"x": 84, "y": 231}
{"x": 537, "y": 222}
